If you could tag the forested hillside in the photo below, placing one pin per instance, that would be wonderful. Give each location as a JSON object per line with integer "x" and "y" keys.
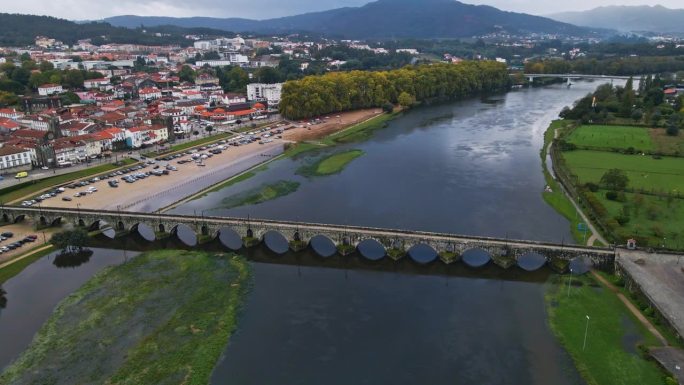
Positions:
{"x": 342, "y": 91}
{"x": 21, "y": 30}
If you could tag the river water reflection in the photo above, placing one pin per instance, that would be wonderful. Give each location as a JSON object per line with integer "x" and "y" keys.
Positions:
{"x": 470, "y": 167}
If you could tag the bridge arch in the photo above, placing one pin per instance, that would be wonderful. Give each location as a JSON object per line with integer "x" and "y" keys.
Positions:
{"x": 144, "y": 231}
{"x": 323, "y": 246}
{"x": 371, "y": 249}
{"x": 230, "y": 238}
{"x": 476, "y": 257}
{"x": 531, "y": 261}
{"x": 423, "y": 253}
{"x": 5, "y": 218}
{"x": 276, "y": 241}
{"x": 185, "y": 234}
{"x": 19, "y": 218}
{"x": 43, "y": 221}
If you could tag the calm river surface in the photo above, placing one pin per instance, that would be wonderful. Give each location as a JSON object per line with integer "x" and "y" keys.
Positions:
{"x": 471, "y": 167}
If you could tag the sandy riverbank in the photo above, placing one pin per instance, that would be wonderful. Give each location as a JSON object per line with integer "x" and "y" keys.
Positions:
{"x": 334, "y": 123}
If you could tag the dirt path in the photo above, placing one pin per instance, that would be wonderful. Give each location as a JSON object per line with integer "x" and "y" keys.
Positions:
{"x": 644, "y": 321}
{"x": 595, "y": 235}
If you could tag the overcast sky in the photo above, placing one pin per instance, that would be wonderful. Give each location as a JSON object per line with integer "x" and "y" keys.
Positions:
{"x": 261, "y": 9}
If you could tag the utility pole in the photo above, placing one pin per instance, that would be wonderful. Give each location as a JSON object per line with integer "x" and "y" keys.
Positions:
{"x": 586, "y": 330}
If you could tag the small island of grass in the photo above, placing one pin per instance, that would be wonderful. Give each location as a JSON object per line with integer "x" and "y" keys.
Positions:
{"x": 260, "y": 194}
{"x": 329, "y": 165}
{"x": 163, "y": 317}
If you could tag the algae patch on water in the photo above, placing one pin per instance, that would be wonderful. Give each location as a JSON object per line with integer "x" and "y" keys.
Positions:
{"x": 260, "y": 194}
{"x": 162, "y": 317}
{"x": 329, "y": 165}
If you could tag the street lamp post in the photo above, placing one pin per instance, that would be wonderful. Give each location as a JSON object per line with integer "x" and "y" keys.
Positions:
{"x": 586, "y": 330}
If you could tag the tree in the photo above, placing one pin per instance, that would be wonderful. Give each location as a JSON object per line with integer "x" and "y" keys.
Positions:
{"x": 405, "y": 99}
{"x": 70, "y": 98}
{"x": 267, "y": 75}
{"x": 388, "y": 107}
{"x": 70, "y": 241}
{"x": 186, "y": 74}
{"x": 21, "y": 75}
{"x": 209, "y": 129}
{"x": 73, "y": 79}
{"x": 8, "y": 98}
{"x": 615, "y": 179}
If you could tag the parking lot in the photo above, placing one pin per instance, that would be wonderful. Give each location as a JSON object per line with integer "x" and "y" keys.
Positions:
{"x": 18, "y": 242}
{"x": 164, "y": 180}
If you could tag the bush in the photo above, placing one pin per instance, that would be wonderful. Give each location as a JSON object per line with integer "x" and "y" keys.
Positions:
{"x": 672, "y": 131}
{"x": 388, "y": 107}
{"x": 611, "y": 195}
{"x": 593, "y": 187}
{"x": 622, "y": 219}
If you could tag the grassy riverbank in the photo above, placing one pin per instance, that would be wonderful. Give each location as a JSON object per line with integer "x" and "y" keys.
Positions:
{"x": 331, "y": 164}
{"x": 360, "y": 131}
{"x": 163, "y": 317}
{"x": 556, "y": 198}
{"x": 611, "y": 355}
{"x": 260, "y": 194}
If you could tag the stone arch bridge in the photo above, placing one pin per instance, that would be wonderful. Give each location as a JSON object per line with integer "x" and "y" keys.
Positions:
{"x": 345, "y": 238}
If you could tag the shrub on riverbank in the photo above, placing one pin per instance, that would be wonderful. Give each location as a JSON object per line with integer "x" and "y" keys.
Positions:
{"x": 163, "y": 317}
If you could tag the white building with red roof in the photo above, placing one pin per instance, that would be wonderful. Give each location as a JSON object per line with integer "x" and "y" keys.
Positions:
{"x": 10, "y": 113}
{"x": 149, "y": 93}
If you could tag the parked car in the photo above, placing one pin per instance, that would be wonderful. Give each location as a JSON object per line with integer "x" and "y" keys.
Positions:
{"x": 7, "y": 234}
{"x": 66, "y": 199}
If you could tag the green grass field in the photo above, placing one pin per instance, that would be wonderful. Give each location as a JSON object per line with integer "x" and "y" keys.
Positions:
{"x": 618, "y": 137}
{"x": 644, "y": 172}
{"x": 163, "y": 317}
{"x": 21, "y": 190}
{"x": 329, "y": 165}
{"x": 611, "y": 356}
{"x": 659, "y": 219}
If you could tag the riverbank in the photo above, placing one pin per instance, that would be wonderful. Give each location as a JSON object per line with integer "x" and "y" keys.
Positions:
{"x": 614, "y": 349}
{"x": 162, "y": 316}
{"x": 555, "y": 195}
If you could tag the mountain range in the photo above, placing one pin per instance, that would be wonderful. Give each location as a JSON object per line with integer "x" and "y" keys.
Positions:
{"x": 380, "y": 19}
{"x": 628, "y": 18}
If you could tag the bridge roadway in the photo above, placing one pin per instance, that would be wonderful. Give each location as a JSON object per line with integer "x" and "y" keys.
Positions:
{"x": 448, "y": 246}
{"x": 576, "y": 76}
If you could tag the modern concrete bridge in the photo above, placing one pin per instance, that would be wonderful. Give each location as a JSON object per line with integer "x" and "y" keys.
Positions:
{"x": 569, "y": 77}
{"x": 448, "y": 247}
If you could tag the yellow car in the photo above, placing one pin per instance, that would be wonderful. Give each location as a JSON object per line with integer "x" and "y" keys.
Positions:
{"x": 20, "y": 175}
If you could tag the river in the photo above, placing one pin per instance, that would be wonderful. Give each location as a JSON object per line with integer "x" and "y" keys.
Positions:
{"x": 470, "y": 167}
